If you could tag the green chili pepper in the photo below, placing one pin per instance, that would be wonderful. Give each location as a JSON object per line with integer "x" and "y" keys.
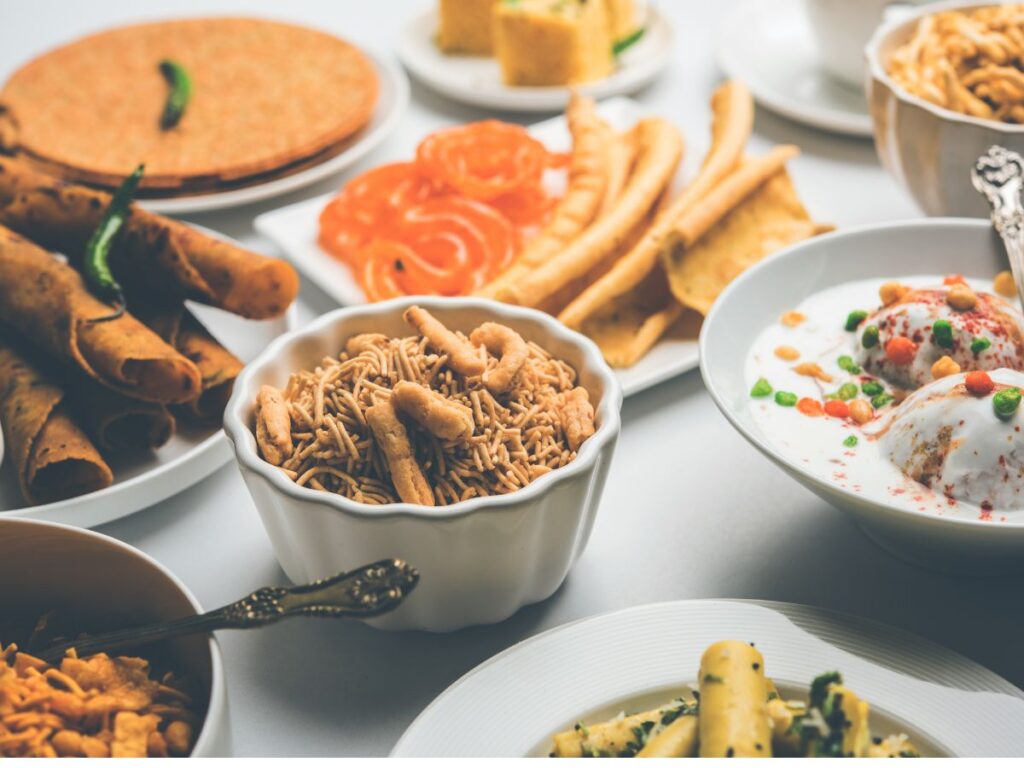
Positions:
{"x": 846, "y": 363}
{"x": 870, "y": 337}
{"x": 785, "y": 399}
{"x": 872, "y": 388}
{"x": 980, "y": 344}
{"x": 761, "y": 388}
{"x": 1005, "y": 402}
{"x": 178, "y": 95}
{"x": 848, "y": 391}
{"x": 623, "y": 43}
{"x": 880, "y": 401}
{"x": 96, "y": 262}
{"x": 943, "y": 332}
{"x": 851, "y": 441}
{"x": 855, "y": 318}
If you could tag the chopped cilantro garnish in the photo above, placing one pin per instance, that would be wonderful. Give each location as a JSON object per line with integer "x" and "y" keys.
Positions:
{"x": 980, "y": 344}
{"x": 785, "y": 399}
{"x": 846, "y": 363}
{"x": 872, "y": 388}
{"x": 850, "y": 441}
{"x": 855, "y": 318}
{"x": 880, "y": 401}
{"x": 761, "y": 388}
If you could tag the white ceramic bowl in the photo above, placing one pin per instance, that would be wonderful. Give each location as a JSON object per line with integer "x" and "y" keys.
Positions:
{"x": 479, "y": 560}
{"x": 929, "y": 149}
{"x": 760, "y": 295}
{"x": 46, "y": 566}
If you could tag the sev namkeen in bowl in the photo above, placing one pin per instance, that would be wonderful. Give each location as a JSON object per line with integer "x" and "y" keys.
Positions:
{"x": 969, "y": 61}
{"x": 432, "y": 419}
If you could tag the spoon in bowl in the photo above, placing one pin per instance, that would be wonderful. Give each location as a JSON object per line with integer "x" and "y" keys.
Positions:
{"x": 999, "y": 177}
{"x": 363, "y": 593}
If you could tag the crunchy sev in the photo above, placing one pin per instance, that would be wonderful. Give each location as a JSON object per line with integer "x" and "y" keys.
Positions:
{"x": 345, "y": 440}
{"x": 98, "y": 706}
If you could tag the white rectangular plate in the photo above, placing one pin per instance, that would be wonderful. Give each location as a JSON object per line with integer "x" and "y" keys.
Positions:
{"x": 294, "y": 229}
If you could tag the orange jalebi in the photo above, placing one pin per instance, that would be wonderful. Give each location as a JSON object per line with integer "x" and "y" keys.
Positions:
{"x": 447, "y": 223}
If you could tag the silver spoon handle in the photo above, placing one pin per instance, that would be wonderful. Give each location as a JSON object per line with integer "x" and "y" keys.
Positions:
{"x": 362, "y": 593}
{"x": 999, "y": 176}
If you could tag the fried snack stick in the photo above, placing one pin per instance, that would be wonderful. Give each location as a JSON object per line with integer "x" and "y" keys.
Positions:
{"x": 392, "y": 439}
{"x": 767, "y": 220}
{"x": 621, "y": 156}
{"x": 733, "y": 118}
{"x": 273, "y": 426}
{"x": 661, "y": 148}
{"x": 48, "y": 303}
{"x": 733, "y": 702}
{"x": 434, "y": 412}
{"x": 53, "y": 457}
{"x": 217, "y": 366}
{"x": 679, "y": 739}
{"x": 510, "y": 349}
{"x": 612, "y": 737}
{"x": 578, "y": 416}
{"x": 588, "y": 181}
{"x": 166, "y": 255}
{"x": 462, "y": 357}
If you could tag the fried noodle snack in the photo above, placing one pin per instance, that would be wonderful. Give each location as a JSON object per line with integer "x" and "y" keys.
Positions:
{"x": 393, "y": 419}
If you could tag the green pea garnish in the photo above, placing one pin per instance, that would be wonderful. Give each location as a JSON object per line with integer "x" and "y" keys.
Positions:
{"x": 851, "y": 441}
{"x": 980, "y": 344}
{"x": 880, "y": 401}
{"x": 846, "y": 363}
{"x": 1005, "y": 402}
{"x": 943, "y": 333}
{"x": 855, "y": 318}
{"x": 872, "y": 388}
{"x": 761, "y": 388}
{"x": 785, "y": 399}
{"x": 848, "y": 391}
{"x": 870, "y": 337}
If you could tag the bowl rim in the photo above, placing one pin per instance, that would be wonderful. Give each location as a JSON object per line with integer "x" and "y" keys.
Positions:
{"x": 879, "y": 73}
{"x": 244, "y": 442}
{"x": 218, "y": 687}
{"x": 796, "y": 253}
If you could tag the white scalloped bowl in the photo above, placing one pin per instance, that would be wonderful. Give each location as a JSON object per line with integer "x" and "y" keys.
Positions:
{"x": 480, "y": 560}
{"x": 48, "y": 566}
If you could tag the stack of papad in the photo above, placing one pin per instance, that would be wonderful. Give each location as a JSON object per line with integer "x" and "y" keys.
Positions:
{"x": 267, "y": 98}
{"x": 647, "y": 262}
{"x": 52, "y": 456}
{"x": 162, "y": 254}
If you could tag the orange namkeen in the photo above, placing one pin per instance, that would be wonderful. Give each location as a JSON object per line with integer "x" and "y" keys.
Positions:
{"x": 447, "y": 223}
{"x": 98, "y": 706}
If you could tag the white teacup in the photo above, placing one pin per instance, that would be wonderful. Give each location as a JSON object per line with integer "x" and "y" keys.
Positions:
{"x": 842, "y": 28}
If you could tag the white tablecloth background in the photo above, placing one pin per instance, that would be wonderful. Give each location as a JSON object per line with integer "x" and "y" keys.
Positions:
{"x": 690, "y": 511}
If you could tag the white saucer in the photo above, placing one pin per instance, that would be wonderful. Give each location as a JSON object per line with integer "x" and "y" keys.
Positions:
{"x": 768, "y": 45}
{"x": 510, "y": 705}
{"x": 477, "y": 79}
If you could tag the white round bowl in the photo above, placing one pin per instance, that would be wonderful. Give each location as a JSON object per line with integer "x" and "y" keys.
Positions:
{"x": 760, "y": 295}
{"x": 480, "y": 560}
{"x": 929, "y": 149}
{"x": 46, "y": 566}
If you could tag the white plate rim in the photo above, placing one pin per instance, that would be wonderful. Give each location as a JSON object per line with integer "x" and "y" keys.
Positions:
{"x": 629, "y": 78}
{"x": 880, "y": 634}
{"x": 275, "y": 225}
{"x": 814, "y": 115}
{"x": 164, "y": 480}
{"x": 794, "y": 251}
{"x": 394, "y": 86}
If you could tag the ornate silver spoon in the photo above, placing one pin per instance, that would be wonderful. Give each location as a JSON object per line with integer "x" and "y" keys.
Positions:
{"x": 999, "y": 176}
{"x": 363, "y": 593}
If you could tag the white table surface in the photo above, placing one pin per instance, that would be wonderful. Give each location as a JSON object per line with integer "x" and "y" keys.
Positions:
{"x": 690, "y": 510}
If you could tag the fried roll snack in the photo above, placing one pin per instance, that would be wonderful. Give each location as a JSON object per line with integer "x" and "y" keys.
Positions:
{"x": 679, "y": 739}
{"x": 119, "y": 423}
{"x": 273, "y": 426}
{"x": 393, "y": 440}
{"x": 161, "y": 253}
{"x": 510, "y": 349}
{"x": 217, "y": 366}
{"x": 734, "y": 718}
{"x": 661, "y": 148}
{"x": 461, "y": 355}
{"x": 47, "y": 302}
{"x": 53, "y": 457}
{"x": 434, "y": 412}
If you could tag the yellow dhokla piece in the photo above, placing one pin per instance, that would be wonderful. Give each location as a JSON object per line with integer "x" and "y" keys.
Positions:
{"x": 466, "y": 26}
{"x": 552, "y": 42}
